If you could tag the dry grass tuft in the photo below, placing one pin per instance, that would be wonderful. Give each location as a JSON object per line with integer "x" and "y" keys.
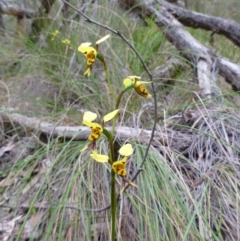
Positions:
{"x": 189, "y": 189}
{"x": 203, "y": 149}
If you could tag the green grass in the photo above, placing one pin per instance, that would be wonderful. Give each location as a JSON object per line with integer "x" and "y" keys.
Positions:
{"x": 46, "y": 81}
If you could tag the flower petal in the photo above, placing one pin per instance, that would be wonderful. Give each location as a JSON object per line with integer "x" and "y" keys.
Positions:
{"x": 119, "y": 167}
{"x": 127, "y": 82}
{"x": 102, "y": 39}
{"x": 126, "y": 150}
{"x": 141, "y": 90}
{"x": 131, "y": 183}
{"x": 66, "y": 41}
{"x": 98, "y": 157}
{"x": 84, "y": 148}
{"x": 88, "y": 71}
{"x": 89, "y": 116}
{"x": 55, "y": 34}
{"x": 123, "y": 186}
{"x": 85, "y": 44}
{"x": 87, "y": 123}
{"x": 110, "y": 115}
{"x": 134, "y": 77}
{"x": 87, "y": 50}
{"x": 144, "y": 82}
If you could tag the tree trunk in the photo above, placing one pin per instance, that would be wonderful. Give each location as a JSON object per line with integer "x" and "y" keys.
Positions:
{"x": 39, "y": 23}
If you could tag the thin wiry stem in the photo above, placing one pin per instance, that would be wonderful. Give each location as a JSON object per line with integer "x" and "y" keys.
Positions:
{"x": 118, "y": 33}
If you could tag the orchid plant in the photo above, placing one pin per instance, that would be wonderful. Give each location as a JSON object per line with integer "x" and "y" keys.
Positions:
{"x": 98, "y": 129}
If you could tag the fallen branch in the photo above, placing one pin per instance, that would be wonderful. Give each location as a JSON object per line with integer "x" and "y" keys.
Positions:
{"x": 72, "y": 132}
{"x": 204, "y": 60}
{"x": 193, "y": 50}
{"x": 231, "y": 72}
{"x": 228, "y": 28}
{"x": 168, "y": 70}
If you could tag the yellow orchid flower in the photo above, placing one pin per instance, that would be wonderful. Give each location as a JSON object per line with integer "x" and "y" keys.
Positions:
{"x": 96, "y": 128}
{"x": 67, "y": 42}
{"x": 137, "y": 85}
{"x": 55, "y": 34}
{"x": 90, "y": 53}
{"x": 119, "y": 167}
{"x": 98, "y": 157}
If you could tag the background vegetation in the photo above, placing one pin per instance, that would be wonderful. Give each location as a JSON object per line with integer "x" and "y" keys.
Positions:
{"x": 188, "y": 190}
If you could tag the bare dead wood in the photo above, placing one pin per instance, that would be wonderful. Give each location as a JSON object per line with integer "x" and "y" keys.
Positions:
{"x": 188, "y": 45}
{"x": 17, "y": 12}
{"x": 33, "y": 124}
{"x": 168, "y": 70}
{"x": 182, "y": 3}
{"x": 205, "y": 61}
{"x": 39, "y": 23}
{"x": 231, "y": 72}
{"x": 228, "y": 28}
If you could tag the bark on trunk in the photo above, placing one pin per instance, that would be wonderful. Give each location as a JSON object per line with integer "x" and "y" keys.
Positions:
{"x": 228, "y": 28}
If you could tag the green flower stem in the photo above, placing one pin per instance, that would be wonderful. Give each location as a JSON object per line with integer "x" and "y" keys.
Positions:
{"x": 116, "y": 116}
{"x": 113, "y": 178}
{"x": 113, "y": 187}
{"x": 100, "y": 57}
{"x": 113, "y": 182}
{"x": 109, "y": 83}
{"x": 119, "y": 99}
{"x": 112, "y": 154}
{"x": 113, "y": 205}
{"x": 121, "y": 94}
